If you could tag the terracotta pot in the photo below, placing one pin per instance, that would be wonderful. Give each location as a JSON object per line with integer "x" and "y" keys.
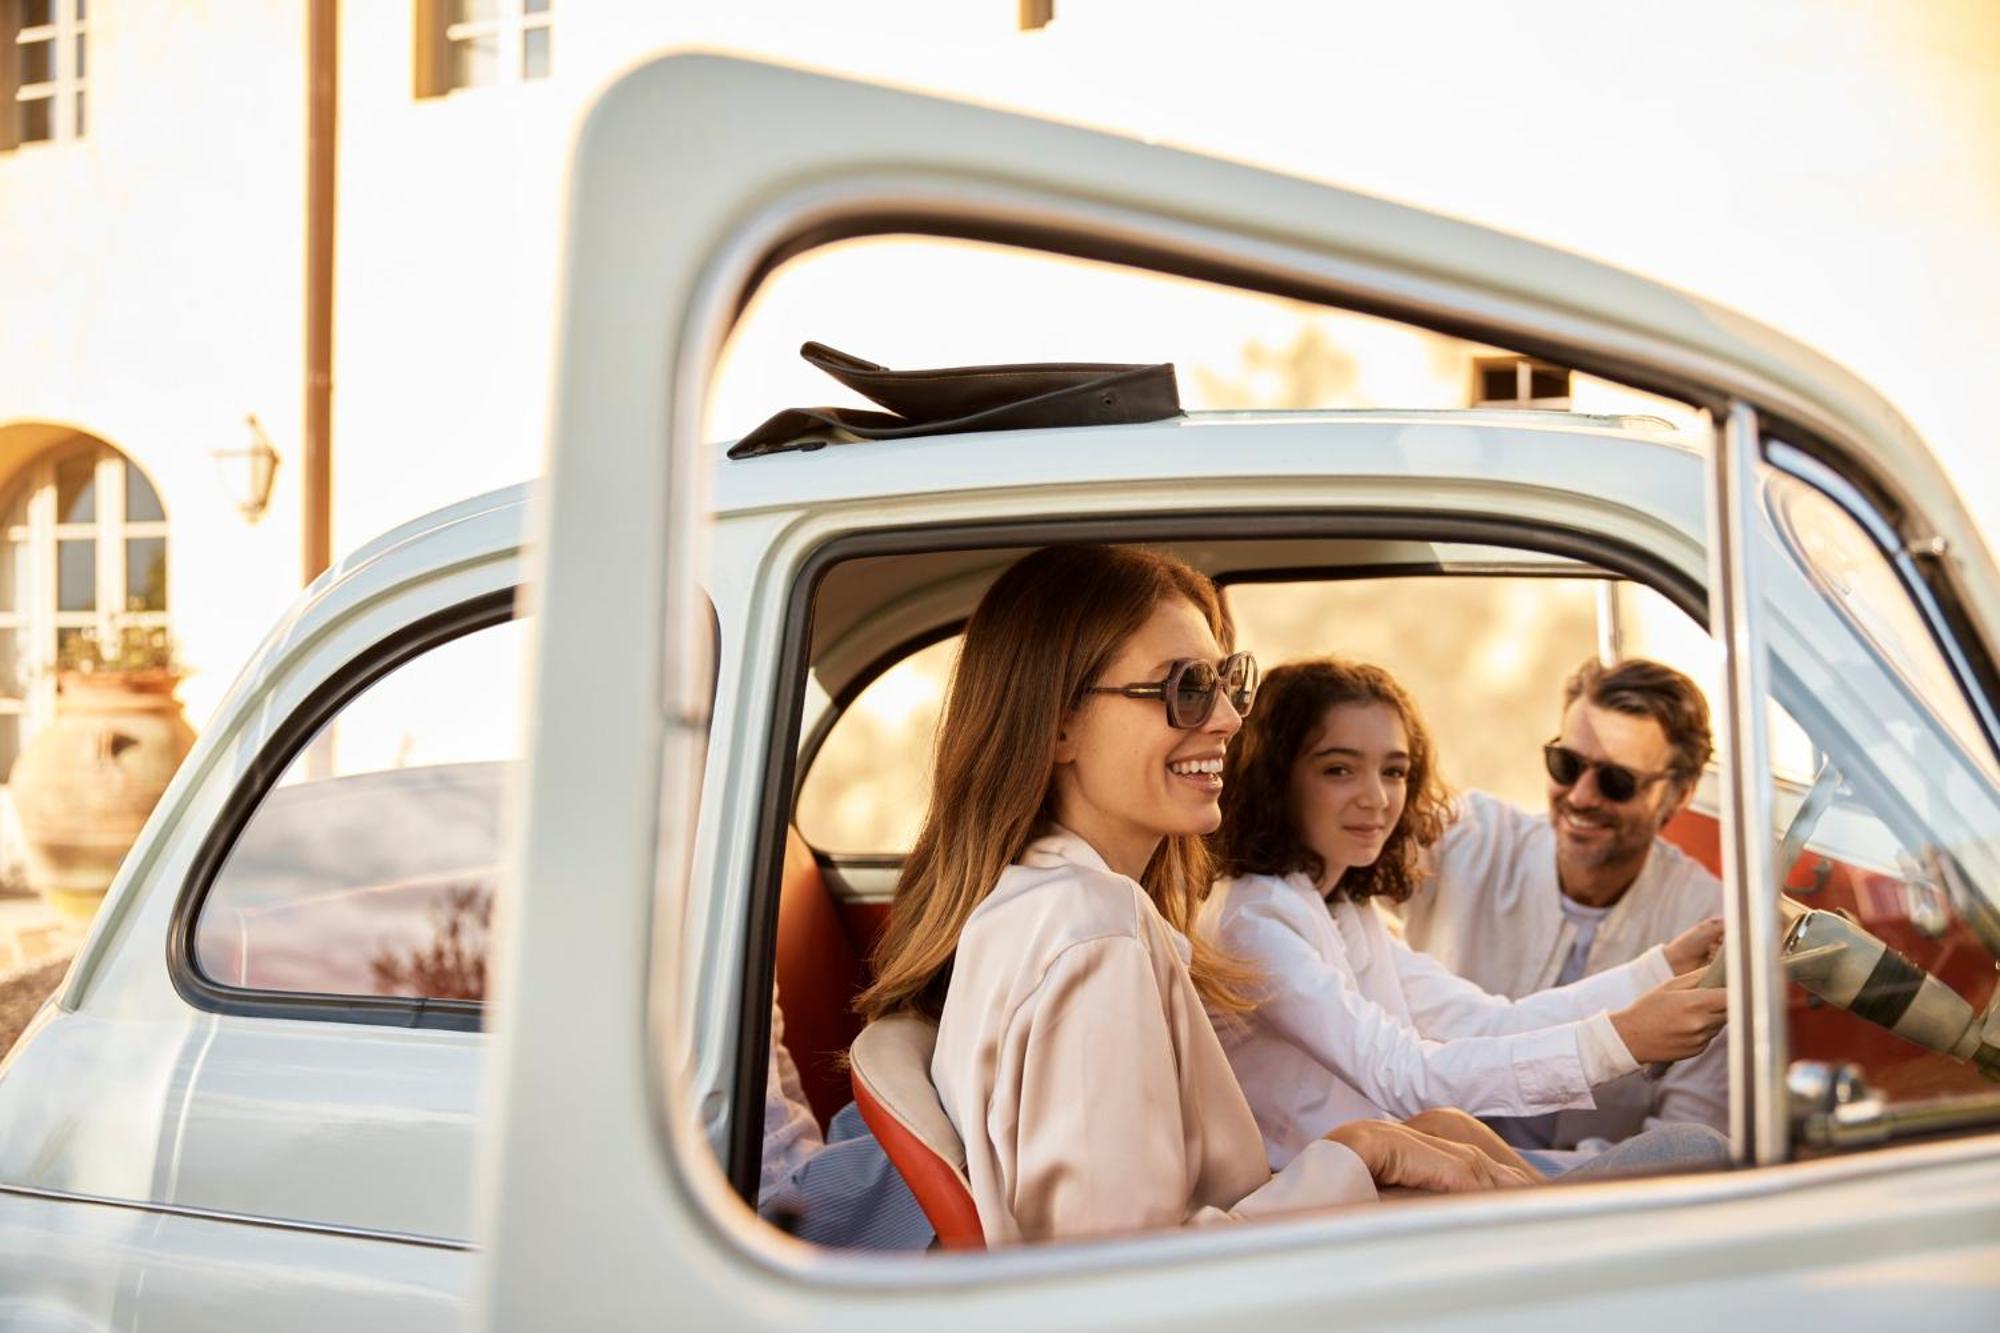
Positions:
{"x": 86, "y": 782}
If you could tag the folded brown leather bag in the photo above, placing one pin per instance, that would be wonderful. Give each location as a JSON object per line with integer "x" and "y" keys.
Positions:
{"x": 959, "y": 399}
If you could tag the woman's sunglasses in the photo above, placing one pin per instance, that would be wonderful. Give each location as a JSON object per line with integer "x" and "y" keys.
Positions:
{"x": 1191, "y": 687}
{"x": 1617, "y": 783}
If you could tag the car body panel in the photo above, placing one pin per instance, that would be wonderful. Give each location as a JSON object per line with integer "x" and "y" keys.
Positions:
{"x": 74, "y": 1265}
{"x": 124, "y": 1094}
{"x": 194, "y": 1118}
{"x": 151, "y": 1165}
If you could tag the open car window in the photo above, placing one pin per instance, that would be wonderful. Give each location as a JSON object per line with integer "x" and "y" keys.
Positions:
{"x": 1484, "y": 640}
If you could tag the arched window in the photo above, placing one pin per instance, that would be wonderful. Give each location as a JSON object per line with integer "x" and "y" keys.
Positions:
{"x": 83, "y": 566}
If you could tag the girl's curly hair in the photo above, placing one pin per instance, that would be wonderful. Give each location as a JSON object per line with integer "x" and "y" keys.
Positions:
{"x": 1258, "y": 836}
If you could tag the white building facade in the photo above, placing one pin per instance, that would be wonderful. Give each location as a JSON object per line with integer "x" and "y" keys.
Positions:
{"x": 154, "y": 274}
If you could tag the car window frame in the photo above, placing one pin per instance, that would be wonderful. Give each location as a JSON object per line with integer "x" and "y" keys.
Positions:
{"x": 781, "y": 763}
{"x": 1890, "y": 805}
{"x": 1588, "y": 556}
{"x": 346, "y": 684}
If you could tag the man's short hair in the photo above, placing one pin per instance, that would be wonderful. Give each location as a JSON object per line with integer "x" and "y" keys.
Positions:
{"x": 1638, "y": 687}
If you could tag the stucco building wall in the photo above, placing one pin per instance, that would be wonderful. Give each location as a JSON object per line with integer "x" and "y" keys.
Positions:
{"x": 151, "y": 295}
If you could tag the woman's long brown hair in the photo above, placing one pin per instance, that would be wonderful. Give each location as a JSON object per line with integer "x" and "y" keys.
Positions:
{"x": 1047, "y": 628}
{"x": 1259, "y": 835}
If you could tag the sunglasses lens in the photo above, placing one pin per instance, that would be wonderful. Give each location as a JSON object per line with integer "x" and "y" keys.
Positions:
{"x": 1191, "y": 694}
{"x": 1565, "y": 766}
{"x": 1615, "y": 782}
{"x": 1240, "y": 675}
{"x": 1618, "y": 784}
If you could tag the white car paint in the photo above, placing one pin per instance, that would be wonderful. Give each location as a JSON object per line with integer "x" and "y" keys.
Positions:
{"x": 163, "y": 1163}
{"x": 654, "y": 274}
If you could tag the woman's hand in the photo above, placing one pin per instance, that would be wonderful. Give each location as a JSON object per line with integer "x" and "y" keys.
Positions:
{"x": 1693, "y": 947}
{"x": 1672, "y": 1021}
{"x": 1397, "y": 1155}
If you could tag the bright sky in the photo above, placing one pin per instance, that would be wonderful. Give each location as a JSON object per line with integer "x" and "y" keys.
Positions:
{"x": 1831, "y": 167}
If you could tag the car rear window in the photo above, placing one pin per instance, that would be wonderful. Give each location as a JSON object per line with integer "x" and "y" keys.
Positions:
{"x": 370, "y": 867}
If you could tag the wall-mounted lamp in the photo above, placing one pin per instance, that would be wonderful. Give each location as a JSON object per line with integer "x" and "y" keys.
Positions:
{"x": 247, "y": 473}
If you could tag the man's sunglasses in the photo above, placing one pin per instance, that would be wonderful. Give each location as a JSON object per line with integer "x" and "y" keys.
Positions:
{"x": 1617, "y": 783}
{"x": 1191, "y": 687}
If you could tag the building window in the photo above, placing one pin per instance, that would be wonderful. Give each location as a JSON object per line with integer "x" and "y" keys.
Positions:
{"x": 478, "y": 43}
{"x": 1519, "y": 381}
{"x": 42, "y": 67}
{"x": 83, "y": 568}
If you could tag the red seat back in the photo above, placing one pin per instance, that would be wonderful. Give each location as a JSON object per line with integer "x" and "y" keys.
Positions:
{"x": 892, "y": 1087}
{"x": 818, "y": 974}
{"x": 1699, "y": 836}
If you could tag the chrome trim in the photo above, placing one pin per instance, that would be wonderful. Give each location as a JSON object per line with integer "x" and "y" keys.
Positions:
{"x": 1759, "y": 1120}
{"x": 1939, "y": 1114}
{"x": 240, "y": 1219}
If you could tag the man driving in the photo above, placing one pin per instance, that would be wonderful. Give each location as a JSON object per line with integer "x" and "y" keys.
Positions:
{"x": 1519, "y": 901}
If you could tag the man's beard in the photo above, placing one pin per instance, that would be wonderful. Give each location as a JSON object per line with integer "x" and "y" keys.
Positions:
{"x": 1631, "y": 837}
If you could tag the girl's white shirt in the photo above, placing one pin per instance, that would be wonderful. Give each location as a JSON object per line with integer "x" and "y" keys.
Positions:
{"x": 1353, "y": 1024}
{"x": 1077, "y": 1064}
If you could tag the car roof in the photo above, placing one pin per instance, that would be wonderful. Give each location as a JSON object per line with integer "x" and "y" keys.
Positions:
{"x": 1600, "y": 453}
{"x": 967, "y": 462}
{"x": 1605, "y": 455}
{"x": 1192, "y": 447}
{"x": 501, "y": 503}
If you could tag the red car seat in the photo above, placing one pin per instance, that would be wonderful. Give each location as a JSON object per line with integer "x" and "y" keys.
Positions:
{"x": 818, "y": 973}
{"x": 891, "y": 1068}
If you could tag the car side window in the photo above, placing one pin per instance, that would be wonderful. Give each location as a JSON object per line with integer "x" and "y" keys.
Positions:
{"x": 369, "y": 867}
{"x": 1899, "y": 836}
{"x": 1851, "y": 575}
{"x": 870, "y": 782}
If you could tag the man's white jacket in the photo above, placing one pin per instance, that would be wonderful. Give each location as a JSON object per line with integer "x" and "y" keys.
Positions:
{"x": 1492, "y": 913}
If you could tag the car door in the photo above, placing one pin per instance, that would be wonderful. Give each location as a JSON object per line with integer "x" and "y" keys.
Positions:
{"x": 253, "y": 1102}
{"x": 603, "y": 1200}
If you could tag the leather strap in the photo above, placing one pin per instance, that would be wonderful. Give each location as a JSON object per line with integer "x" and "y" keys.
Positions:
{"x": 965, "y": 399}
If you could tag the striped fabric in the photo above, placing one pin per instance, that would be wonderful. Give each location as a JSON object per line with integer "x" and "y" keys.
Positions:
{"x": 844, "y": 1192}
{"x": 848, "y": 1195}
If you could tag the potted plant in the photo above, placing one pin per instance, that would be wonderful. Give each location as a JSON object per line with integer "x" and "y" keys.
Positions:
{"x": 85, "y": 783}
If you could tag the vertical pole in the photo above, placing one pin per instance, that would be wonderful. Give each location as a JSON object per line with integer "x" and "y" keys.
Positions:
{"x": 1757, "y": 1045}
{"x": 316, "y": 462}
{"x": 1610, "y": 623}
{"x": 322, "y": 109}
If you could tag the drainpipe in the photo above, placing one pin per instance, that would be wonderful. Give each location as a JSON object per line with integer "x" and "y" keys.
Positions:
{"x": 322, "y": 107}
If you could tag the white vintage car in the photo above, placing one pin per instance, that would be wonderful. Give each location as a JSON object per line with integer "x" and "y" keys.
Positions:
{"x": 286, "y": 1085}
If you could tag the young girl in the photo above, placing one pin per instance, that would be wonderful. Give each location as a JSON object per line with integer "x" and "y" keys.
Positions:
{"x": 1328, "y": 796}
{"x": 1041, "y": 916}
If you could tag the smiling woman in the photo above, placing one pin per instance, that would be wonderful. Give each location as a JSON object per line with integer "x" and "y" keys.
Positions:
{"x": 1042, "y": 918}
{"x": 1023, "y": 744}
